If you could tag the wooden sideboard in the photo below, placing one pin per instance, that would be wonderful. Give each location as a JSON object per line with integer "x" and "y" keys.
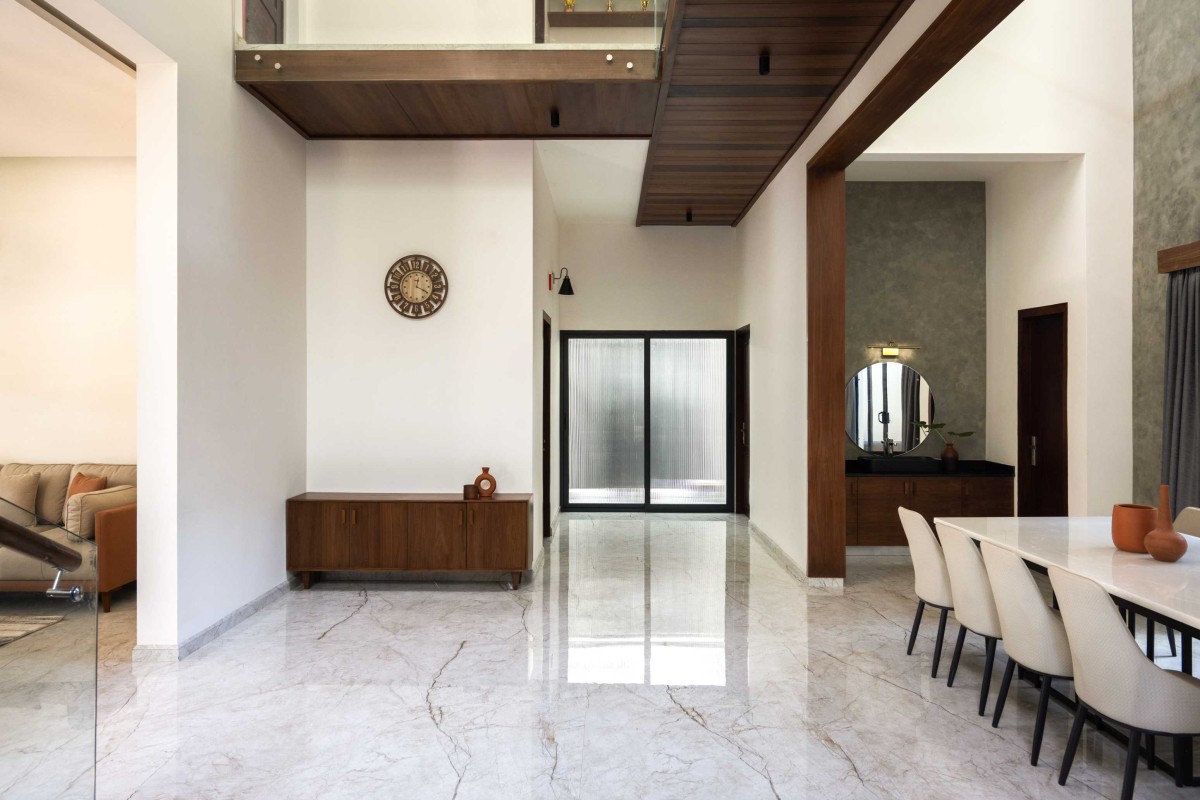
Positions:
{"x": 332, "y": 532}
{"x": 871, "y": 500}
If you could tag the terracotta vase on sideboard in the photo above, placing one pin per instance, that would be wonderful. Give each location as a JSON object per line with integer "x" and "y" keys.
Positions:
{"x": 1164, "y": 542}
{"x": 485, "y": 483}
{"x": 950, "y": 458}
{"x": 1130, "y": 524}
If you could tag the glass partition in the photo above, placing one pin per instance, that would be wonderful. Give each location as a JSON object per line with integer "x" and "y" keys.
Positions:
{"x": 47, "y": 659}
{"x": 648, "y": 420}
{"x": 416, "y": 24}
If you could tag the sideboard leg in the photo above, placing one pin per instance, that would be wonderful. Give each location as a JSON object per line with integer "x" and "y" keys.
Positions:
{"x": 306, "y": 580}
{"x": 516, "y": 581}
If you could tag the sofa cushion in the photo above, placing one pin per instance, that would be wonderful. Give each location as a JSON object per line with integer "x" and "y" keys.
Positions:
{"x": 117, "y": 474}
{"x": 82, "y": 508}
{"x": 20, "y": 495}
{"x": 52, "y": 488}
{"x": 81, "y": 483}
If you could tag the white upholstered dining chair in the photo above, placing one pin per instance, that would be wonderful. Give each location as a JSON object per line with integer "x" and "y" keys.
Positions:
{"x": 1188, "y": 521}
{"x": 1034, "y": 635}
{"x": 1114, "y": 679}
{"x": 931, "y": 579}
{"x": 974, "y": 606}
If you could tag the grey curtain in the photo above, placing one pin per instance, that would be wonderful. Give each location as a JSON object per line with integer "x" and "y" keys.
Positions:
{"x": 1181, "y": 394}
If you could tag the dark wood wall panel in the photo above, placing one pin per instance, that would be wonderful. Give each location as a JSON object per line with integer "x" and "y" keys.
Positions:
{"x": 724, "y": 129}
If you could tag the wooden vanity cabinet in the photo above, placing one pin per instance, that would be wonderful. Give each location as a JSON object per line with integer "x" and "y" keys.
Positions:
{"x": 871, "y": 503}
{"x": 407, "y": 532}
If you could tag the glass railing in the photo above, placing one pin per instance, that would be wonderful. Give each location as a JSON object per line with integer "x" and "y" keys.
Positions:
{"x": 47, "y": 659}
{"x": 505, "y": 25}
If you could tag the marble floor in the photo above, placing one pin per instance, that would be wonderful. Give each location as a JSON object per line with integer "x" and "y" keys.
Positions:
{"x": 650, "y": 657}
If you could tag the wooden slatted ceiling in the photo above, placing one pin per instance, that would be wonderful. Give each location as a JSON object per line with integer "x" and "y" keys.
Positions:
{"x": 722, "y": 130}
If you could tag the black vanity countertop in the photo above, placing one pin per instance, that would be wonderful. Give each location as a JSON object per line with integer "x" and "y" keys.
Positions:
{"x": 966, "y": 469}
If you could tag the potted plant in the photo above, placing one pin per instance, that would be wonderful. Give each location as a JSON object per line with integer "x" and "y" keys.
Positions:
{"x": 949, "y": 455}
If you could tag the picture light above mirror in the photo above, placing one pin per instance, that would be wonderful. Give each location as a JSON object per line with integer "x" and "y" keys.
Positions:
{"x": 891, "y": 349}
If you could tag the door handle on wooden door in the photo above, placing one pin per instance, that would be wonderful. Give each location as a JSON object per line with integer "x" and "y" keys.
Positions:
{"x": 1033, "y": 451}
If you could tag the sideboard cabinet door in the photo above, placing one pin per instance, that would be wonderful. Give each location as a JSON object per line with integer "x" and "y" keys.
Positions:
{"x": 437, "y": 536}
{"x": 497, "y": 536}
{"x": 988, "y": 497}
{"x": 317, "y": 536}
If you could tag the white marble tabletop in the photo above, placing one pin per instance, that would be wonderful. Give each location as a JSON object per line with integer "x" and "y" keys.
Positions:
{"x": 1083, "y": 545}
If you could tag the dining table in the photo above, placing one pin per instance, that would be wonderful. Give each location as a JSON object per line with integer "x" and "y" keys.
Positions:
{"x": 1163, "y": 593}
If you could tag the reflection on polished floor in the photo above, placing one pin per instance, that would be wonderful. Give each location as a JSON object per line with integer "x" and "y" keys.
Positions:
{"x": 650, "y": 657}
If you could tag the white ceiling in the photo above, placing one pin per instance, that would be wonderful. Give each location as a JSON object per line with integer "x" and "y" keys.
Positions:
{"x": 57, "y": 97}
{"x": 595, "y": 180}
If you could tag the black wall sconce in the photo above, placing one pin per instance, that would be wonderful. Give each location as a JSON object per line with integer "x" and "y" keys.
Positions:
{"x": 891, "y": 350}
{"x": 565, "y": 277}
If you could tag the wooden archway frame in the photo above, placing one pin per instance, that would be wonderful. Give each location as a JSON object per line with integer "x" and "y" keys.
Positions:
{"x": 961, "y": 25}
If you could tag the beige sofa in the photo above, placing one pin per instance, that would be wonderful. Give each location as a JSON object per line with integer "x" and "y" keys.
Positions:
{"x": 107, "y": 517}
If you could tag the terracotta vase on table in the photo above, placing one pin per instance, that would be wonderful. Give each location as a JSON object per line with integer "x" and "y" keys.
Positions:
{"x": 1130, "y": 524}
{"x": 1164, "y": 542}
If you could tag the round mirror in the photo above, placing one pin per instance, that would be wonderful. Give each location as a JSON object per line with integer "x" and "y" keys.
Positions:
{"x": 883, "y": 401}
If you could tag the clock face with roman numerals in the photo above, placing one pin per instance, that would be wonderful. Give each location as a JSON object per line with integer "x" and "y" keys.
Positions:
{"x": 416, "y": 287}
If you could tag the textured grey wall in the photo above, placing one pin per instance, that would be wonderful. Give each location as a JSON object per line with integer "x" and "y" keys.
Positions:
{"x": 1166, "y": 136}
{"x": 916, "y": 274}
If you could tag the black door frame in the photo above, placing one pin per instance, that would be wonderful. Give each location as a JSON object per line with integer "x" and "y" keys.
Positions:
{"x": 564, "y": 488}
{"x": 547, "y": 424}
{"x": 741, "y": 421}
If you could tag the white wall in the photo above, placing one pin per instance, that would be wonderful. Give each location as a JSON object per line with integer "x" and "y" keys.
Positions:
{"x": 648, "y": 278}
{"x": 419, "y": 405}
{"x": 545, "y": 301}
{"x": 771, "y": 247}
{"x": 68, "y": 358}
{"x": 221, "y": 367}
{"x": 1055, "y": 77}
{"x": 1036, "y": 256}
{"x": 415, "y": 22}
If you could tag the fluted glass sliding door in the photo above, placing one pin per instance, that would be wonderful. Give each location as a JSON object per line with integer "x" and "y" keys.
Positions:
{"x": 647, "y": 420}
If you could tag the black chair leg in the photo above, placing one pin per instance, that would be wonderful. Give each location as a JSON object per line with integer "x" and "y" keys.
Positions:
{"x": 912, "y": 637}
{"x": 1039, "y": 724}
{"x": 1181, "y": 757}
{"x": 1149, "y": 638}
{"x": 1072, "y": 743}
{"x": 1149, "y": 752}
{"x": 1008, "y": 676}
{"x": 1131, "y": 764}
{"x": 937, "y": 648}
{"x": 958, "y": 646}
{"x": 989, "y": 656}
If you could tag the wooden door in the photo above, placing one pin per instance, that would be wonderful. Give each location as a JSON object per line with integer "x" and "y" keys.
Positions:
{"x": 497, "y": 536}
{"x": 263, "y": 21}
{"x": 436, "y": 536}
{"x": 851, "y": 511}
{"x": 988, "y": 497}
{"x": 317, "y": 537}
{"x": 741, "y": 422}
{"x": 878, "y": 520}
{"x": 936, "y": 497}
{"x": 379, "y": 535}
{"x": 1042, "y": 412}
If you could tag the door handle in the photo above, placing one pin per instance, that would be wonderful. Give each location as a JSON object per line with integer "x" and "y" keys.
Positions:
{"x": 354, "y": 517}
{"x": 343, "y": 516}
{"x": 743, "y": 433}
{"x": 1033, "y": 451}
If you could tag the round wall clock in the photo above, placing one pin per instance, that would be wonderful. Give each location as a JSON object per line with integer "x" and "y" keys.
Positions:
{"x": 416, "y": 286}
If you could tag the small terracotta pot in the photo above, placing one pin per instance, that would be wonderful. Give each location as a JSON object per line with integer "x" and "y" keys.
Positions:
{"x": 1130, "y": 524}
{"x": 950, "y": 458}
{"x": 485, "y": 483}
{"x": 1164, "y": 542}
